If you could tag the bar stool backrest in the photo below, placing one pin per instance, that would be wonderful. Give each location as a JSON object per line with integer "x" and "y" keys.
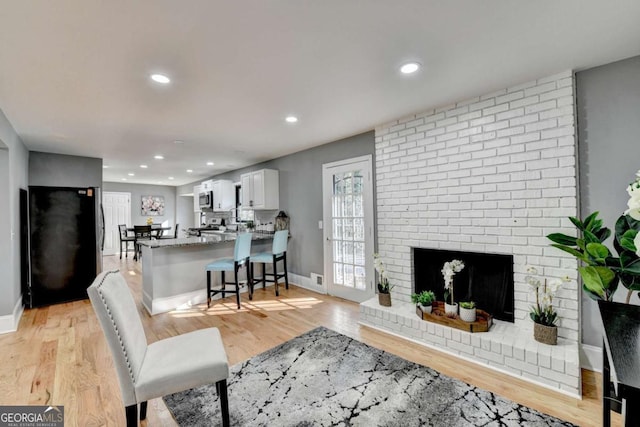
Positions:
{"x": 280, "y": 239}
{"x": 242, "y": 250}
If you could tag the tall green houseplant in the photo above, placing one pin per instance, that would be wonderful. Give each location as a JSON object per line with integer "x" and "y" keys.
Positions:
{"x": 602, "y": 272}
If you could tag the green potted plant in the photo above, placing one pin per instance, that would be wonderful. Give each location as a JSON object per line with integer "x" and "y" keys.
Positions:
{"x": 384, "y": 287}
{"x": 468, "y": 311}
{"x": 425, "y": 300}
{"x": 543, "y": 314}
{"x": 449, "y": 269}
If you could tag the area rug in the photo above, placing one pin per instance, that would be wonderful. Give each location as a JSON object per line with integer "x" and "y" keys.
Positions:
{"x": 323, "y": 378}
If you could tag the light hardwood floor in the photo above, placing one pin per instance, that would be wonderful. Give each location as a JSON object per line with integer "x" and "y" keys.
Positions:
{"x": 59, "y": 356}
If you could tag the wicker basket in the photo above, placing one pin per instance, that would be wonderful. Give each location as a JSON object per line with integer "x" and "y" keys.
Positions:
{"x": 384, "y": 299}
{"x": 545, "y": 334}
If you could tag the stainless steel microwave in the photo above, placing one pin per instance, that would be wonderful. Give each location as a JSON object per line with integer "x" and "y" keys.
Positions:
{"x": 206, "y": 200}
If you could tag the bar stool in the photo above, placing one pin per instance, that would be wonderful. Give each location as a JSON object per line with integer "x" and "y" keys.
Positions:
{"x": 278, "y": 253}
{"x": 241, "y": 255}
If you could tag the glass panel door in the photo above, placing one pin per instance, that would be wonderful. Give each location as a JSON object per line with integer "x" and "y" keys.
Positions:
{"x": 349, "y": 230}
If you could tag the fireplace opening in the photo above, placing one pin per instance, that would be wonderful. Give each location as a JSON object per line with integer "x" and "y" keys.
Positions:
{"x": 487, "y": 279}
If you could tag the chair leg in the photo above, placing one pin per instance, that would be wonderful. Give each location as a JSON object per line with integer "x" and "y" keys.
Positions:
{"x": 120, "y": 249}
{"x": 249, "y": 268}
{"x": 237, "y": 268}
{"x": 275, "y": 275}
{"x": 131, "y": 412}
{"x": 286, "y": 275}
{"x": 208, "y": 289}
{"x": 143, "y": 411}
{"x": 221, "y": 386}
{"x": 264, "y": 275}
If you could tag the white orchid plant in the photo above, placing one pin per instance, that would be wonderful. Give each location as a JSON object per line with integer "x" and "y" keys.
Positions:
{"x": 383, "y": 280}
{"x": 449, "y": 269}
{"x": 543, "y": 312}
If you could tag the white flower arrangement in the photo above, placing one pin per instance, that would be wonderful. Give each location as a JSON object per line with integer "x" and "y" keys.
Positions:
{"x": 543, "y": 312}
{"x": 383, "y": 284}
{"x": 634, "y": 199}
{"x": 449, "y": 269}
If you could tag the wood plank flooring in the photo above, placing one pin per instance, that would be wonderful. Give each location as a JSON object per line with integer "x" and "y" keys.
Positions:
{"x": 59, "y": 355}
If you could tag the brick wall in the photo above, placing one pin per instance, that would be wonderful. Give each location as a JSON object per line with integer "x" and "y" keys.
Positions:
{"x": 496, "y": 174}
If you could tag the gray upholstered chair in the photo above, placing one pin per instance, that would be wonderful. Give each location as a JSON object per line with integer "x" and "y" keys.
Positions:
{"x": 164, "y": 367}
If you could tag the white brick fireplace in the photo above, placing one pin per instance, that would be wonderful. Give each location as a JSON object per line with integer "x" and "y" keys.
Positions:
{"x": 492, "y": 174}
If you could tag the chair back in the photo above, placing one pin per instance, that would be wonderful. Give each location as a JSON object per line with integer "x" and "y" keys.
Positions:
{"x": 118, "y": 316}
{"x": 280, "y": 239}
{"x": 123, "y": 231}
{"x": 242, "y": 250}
{"x": 142, "y": 231}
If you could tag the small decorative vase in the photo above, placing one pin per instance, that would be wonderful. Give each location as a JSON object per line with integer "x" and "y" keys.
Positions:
{"x": 468, "y": 314}
{"x": 426, "y": 308}
{"x": 451, "y": 308}
{"x": 545, "y": 334}
{"x": 384, "y": 299}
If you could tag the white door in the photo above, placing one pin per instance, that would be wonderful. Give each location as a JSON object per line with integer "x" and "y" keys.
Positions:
{"x": 348, "y": 228}
{"x": 117, "y": 210}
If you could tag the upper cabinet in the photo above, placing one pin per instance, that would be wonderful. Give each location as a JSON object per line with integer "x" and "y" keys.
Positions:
{"x": 207, "y": 186}
{"x": 224, "y": 195}
{"x": 197, "y": 189}
{"x": 261, "y": 190}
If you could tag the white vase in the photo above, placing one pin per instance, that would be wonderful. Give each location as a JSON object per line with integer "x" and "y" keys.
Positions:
{"x": 426, "y": 308}
{"x": 468, "y": 314}
{"x": 451, "y": 308}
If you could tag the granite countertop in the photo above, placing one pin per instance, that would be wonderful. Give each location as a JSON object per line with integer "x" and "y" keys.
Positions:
{"x": 209, "y": 239}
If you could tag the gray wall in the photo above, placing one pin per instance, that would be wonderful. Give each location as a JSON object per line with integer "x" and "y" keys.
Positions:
{"x": 139, "y": 190}
{"x": 184, "y": 206}
{"x": 18, "y": 160}
{"x": 301, "y": 195}
{"x": 608, "y": 102}
{"x": 59, "y": 170}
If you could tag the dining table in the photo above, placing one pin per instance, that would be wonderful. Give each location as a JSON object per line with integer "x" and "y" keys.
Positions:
{"x": 156, "y": 229}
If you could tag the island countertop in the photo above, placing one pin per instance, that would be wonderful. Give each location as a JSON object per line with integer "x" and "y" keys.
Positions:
{"x": 209, "y": 239}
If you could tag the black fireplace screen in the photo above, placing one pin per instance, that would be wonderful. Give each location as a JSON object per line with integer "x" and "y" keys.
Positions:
{"x": 487, "y": 279}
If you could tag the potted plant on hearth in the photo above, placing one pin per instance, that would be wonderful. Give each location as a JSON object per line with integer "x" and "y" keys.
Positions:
{"x": 468, "y": 311}
{"x": 425, "y": 300}
{"x": 449, "y": 269}
{"x": 543, "y": 314}
{"x": 384, "y": 288}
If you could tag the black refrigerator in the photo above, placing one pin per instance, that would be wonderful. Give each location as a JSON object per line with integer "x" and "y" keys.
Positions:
{"x": 66, "y": 234}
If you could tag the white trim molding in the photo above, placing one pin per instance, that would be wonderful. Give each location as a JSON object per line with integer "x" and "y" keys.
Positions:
{"x": 9, "y": 322}
{"x": 591, "y": 357}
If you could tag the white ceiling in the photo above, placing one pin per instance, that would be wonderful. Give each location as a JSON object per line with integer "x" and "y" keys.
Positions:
{"x": 74, "y": 75}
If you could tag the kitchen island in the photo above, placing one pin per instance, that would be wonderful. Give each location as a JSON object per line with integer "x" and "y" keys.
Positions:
{"x": 173, "y": 270}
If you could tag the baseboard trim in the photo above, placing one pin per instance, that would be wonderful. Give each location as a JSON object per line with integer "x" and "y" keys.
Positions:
{"x": 306, "y": 283}
{"x": 591, "y": 357}
{"x": 9, "y": 322}
{"x": 468, "y": 359}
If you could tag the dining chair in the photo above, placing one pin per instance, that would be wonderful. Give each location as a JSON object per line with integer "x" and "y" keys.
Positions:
{"x": 125, "y": 239}
{"x": 278, "y": 253}
{"x": 174, "y": 236}
{"x": 146, "y": 371}
{"x": 241, "y": 254}
{"x": 140, "y": 232}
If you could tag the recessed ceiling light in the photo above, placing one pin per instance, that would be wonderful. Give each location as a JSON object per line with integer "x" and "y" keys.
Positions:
{"x": 210, "y": 163}
{"x": 291, "y": 119}
{"x": 410, "y": 68}
{"x": 178, "y": 142}
{"x": 131, "y": 174}
{"x": 160, "y": 78}
{"x": 144, "y": 166}
{"x": 105, "y": 167}
{"x": 158, "y": 157}
{"x": 124, "y": 179}
{"x": 170, "y": 177}
{"x": 189, "y": 170}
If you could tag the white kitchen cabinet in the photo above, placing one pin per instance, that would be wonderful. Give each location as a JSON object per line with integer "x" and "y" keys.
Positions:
{"x": 197, "y": 189}
{"x": 261, "y": 190}
{"x": 224, "y": 195}
{"x": 207, "y": 185}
